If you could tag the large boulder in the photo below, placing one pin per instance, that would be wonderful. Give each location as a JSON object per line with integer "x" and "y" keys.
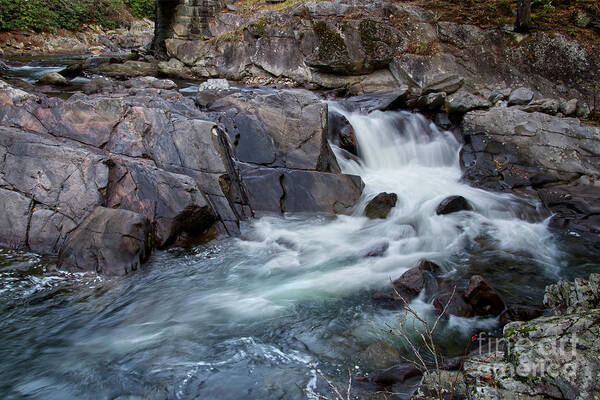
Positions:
{"x": 520, "y": 96}
{"x": 381, "y": 205}
{"x": 109, "y": 242}
{"x": 462, "y": 102}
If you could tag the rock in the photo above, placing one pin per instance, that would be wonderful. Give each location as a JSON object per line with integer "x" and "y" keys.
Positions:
{"x": 462, "y": 102}
{"x": 381, "y": 205}
{"x": 548, "y": 106}
{"x": 150, "y": 82}
{"x": 127, "y": 69}
{"x": 72, "y": 71}
{"x": 451, "y": 384}
{"x": 15, "y": 95}
{"x": 377, "y": 250}
{"x": 53, "y": 78}
{"x": 583, "y": 110}
{"x": 396, "y": 374}
{"x": 383, "y": 100}
{"x": 546, "y": 143}
{"x": 432, "y": 101}
{"x": 483, "y": 298}
{"x": 174, "y": 69}
{"x": 499, "y": 95}
{"x": 568, "y": 108}
{"x": 381, "y": 355}
{"x": 214, "y": 84}
{"x": 447, "y": 83}
{"x": 413, "y": 281}
{"x": 571, "y": 297}
{"x": 14, "y": 219}
{"x": 443, "y": 121}
{"x": 48, "y": 230}
{"x": 109, "y": 242}
{"x": 520, "y": 96}
{"x": 429, "y": 266}
{"x": 173, "y": 203}
{"x": 453, "y": 204}
{"x": 547, "y": 357}
{"x": 456, "y": 305}
{"x": 99, "y": 84}
{"x": 341, "y": 133}
{"x": 519, "y": 312}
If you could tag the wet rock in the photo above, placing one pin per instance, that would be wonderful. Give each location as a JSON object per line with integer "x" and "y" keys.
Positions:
{"x": 483, "y": 298}
{"x": 396, "y": 374}
{"x": 72, "y": 71}
{"x": 48, "y": 230}
{"x": 99, "y": 84}
{"x": 341, "y": 133}
{"x": 377, "y": 250}
{"x": 447, "y": 83}
{"x": 381, "y": 205}
{"x": 109, "y": 242}
{"x": 442, "y": 120}
{"x": 520, "y": 96}
{"x": 429, "y": 266}
{"x": 413, "y": 282}
{"x": 462, "y": 102}
{"x": 456, "y": 305}
{"x": 53, "y": 78}
{"x": 568, "y": 108}
{"x": 381, "y": 355}
{"x": 453, "y": 204}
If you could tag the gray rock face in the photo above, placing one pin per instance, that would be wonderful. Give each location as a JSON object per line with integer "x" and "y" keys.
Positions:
{"x": 108, "y": 241}
{"x": 547, "y": 357}
{"x": 548, "y": 106}
{"x": 520, "y": 96}
{"x": 191, "y": 173}
{"x": 462, "y": 102}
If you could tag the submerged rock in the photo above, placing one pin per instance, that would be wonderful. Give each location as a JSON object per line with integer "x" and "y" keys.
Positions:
{"x": 381, "y": 205}
{"x": 108, "y": 241}
{"x": 454, "y": 305}
{"x": 453, "y": 204}
{"x": 380, "y": 355}
{"x": 413, "y": 281}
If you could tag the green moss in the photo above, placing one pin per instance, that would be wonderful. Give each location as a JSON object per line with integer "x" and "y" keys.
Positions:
{"x": 227, "y": 37}
{"x": 258, "y": 27}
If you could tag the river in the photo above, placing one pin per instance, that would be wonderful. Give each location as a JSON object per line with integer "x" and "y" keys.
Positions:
{"x": 254, "y": 317}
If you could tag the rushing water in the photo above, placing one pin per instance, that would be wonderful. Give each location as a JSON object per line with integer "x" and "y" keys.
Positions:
{"x": 253, "y": 317}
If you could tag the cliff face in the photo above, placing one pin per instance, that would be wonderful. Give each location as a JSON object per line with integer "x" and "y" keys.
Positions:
{"x": 365, "y": 46}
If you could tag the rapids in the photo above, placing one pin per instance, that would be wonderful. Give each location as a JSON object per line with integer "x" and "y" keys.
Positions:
{"x": 254, "y": 317}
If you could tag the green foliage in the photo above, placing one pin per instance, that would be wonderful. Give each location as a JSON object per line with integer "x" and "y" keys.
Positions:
{"x": 141, "y": 8}
{"x": 44, "y": 15}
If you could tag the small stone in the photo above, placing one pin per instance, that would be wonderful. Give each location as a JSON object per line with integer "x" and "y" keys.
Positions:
{"x": 431, "y": 101}
{"x": 520, "y": 96}
{"x": 547, "y": 106}
{"x": 583, "y": 110}
{"x": 499, "y": 95}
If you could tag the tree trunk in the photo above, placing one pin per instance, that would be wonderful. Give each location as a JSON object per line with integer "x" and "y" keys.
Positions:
{"x": 163, "y": 28}
{"x": 523, "y": 20}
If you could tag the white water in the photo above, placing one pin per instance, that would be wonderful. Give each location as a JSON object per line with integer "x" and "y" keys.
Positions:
{"x": 405, "y": 154}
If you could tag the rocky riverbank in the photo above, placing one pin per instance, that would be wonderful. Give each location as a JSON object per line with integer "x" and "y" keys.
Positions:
{"x": 188, "y": 172}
